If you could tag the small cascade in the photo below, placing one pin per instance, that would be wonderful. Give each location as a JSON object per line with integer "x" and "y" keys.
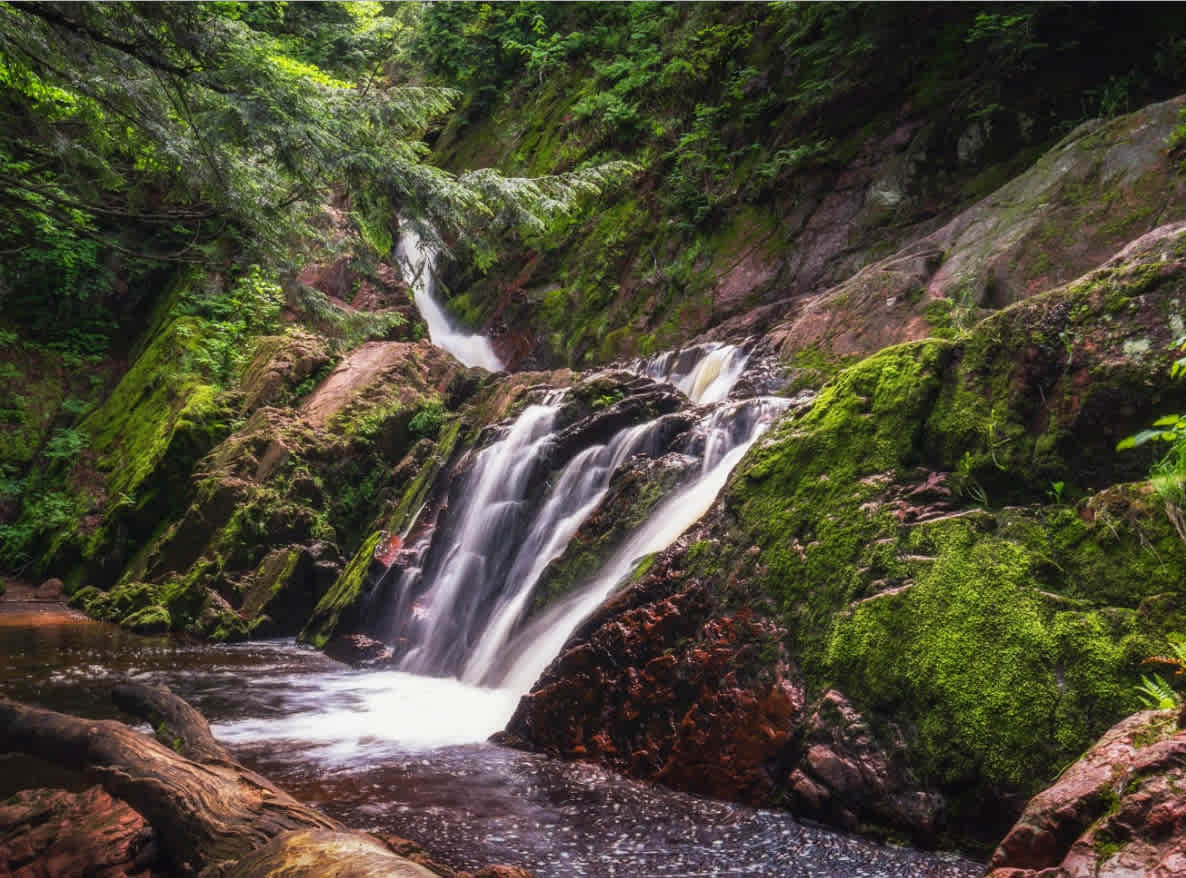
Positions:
{"x": 439, "y": 603}
{"x": 727, "y": 434}
{"x": 704, "y": 373}
{"x": 463, "y": 602}
{"x": 417, "y": 259}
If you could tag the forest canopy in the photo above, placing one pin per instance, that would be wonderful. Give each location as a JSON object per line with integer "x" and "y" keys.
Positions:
{"x": 148, "y": 134}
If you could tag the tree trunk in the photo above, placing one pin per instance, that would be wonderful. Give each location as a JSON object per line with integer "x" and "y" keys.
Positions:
{"x": 213, "y": 817}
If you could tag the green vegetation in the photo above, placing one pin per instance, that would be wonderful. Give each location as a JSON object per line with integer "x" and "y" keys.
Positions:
{"x": 1154, "y": 691}
{"x": 742, "y": 117}
{"x": 1169, "y": 473}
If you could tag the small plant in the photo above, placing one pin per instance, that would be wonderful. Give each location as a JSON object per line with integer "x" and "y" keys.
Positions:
{"x": 1169, "y": 473}
{"x": 65, "y": 444}
{"x": 427, "y": 421}
{"x": 1055, "y": 492}
{"x": 1156, "y": 692}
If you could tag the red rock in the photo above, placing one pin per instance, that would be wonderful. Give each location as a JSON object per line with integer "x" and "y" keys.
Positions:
{"x": 50, "y": 590}
{"x": 57, "y": 834}
{"x": 359, "y": 651}
{"x": 1121, "y": 809}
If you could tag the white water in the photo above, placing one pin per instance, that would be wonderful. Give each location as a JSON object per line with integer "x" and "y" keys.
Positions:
{"x": 543, "y": 639}
{"x": 418, "y": 259}
{"x": 705, "y": 373}
{"x": 495, "y": 494}
{"x": 418, "y": 713}
{"x": 581, "y": 486}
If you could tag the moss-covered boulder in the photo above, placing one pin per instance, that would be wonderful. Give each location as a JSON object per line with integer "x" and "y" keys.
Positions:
{"x": 948, "y": 539}
{"x": 284, "y": 368}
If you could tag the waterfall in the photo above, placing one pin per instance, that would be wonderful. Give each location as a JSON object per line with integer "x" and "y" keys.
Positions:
{"x": 730, "y": 433}
{"x": 705, "y": 373}
{"x": 417, "y": 259}
{"x": 461, "y": 605}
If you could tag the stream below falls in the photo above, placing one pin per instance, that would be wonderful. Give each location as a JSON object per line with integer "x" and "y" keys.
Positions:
{"x": 392, "y": 752}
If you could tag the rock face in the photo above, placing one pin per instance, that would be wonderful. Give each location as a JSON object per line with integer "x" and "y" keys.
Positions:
{"x": 1119, "y": 811}
{"x": 275, "y": 503}
{"x": 693, "y": 717}
{"x": 56, "y": 834}
{"x": 1098, "y": 189}
{"x": 890, "y": 618}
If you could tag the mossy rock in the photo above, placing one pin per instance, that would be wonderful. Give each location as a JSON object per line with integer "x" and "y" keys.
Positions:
{"x": 154, "y": 619}
{"x": 340, "y": 605}
{"x": 117, "y": 604}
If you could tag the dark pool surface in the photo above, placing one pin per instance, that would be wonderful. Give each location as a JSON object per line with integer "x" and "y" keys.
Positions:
{"x": 395, "y": 753}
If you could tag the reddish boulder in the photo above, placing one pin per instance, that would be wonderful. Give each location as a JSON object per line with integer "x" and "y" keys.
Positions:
{"x": 845, "y": 775}
{"x": 51, "y": 590}
{"x": 56, "y": 834}
{"x": 1119, "y": 811}
{"x": 359, "y": 651}
{"x": 658, "y": 686}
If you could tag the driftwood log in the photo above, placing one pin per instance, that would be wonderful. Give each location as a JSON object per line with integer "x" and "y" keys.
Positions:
{"x": 213, "y": 817}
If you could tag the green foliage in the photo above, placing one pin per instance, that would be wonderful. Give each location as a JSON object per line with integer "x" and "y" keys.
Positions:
{"x": 140, "y": 136}
{"x": 1169, "y": 473}
{"x": 227, "y": 318}
{"x": 1155, "y": 693}
{"x": 65, "y": 444}
{"x": 427, "y": 421}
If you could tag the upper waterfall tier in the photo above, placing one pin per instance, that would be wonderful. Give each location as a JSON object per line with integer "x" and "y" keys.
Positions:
{"x": 704, "y": 373}
{"x": 417, "y": 258}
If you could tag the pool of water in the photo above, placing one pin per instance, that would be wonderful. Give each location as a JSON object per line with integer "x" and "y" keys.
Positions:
{"x": 396, "y": 753}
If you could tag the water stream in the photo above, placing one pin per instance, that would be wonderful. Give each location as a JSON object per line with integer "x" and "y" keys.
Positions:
{"x": 417, "y": 259}
{"x": 405, "y": 754}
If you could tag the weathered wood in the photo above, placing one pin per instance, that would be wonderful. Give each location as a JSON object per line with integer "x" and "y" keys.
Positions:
{"x": 213, "y": 817}
{"x": 317, "y": 853}
{"x": 175, "y": 723}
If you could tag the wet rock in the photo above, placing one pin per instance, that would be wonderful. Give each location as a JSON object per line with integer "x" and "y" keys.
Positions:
{"x": 50, "y": 590}
{"x": 657, "y": 684}
{"x": 1119, "y": 811}
{"x": 845, "y": 775}
{"x": 633, "y": 493}
{"x": 287, "y": 586}
{"x": 57, "y": 834}
{"x": 359, "y": 651}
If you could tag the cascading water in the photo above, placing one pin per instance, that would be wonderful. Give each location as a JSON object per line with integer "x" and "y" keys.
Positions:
{"x": 480, "y": 566}
{"x": 729, "y": 433}
{"x": 418, "y": 258}
{"x": 461, "y": 606}
{"x": 705, "y": 373}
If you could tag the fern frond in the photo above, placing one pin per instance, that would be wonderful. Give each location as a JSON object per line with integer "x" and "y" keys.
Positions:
{"x": 1156, "y": 693}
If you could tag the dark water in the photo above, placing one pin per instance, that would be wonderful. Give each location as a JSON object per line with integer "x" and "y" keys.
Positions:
{"x": 390, "y": 752}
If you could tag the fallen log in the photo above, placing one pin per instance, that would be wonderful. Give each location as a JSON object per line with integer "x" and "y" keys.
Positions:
{"x": 213, "y": 817}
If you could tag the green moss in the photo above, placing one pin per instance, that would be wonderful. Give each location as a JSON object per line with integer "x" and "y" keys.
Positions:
{"x": 343, "y": 594}
{"x": 153, "y": 619}
{"x": 117, "y": 604}
{"x": 1000, "y": 643}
